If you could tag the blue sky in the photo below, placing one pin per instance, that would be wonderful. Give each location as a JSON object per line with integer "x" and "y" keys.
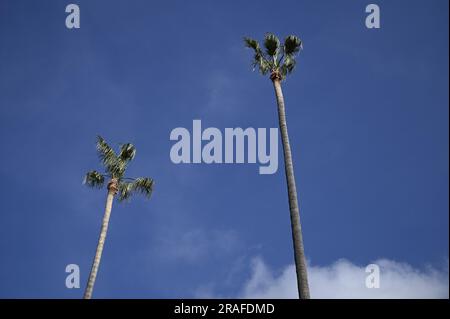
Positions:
{"x": 368, "y": 122}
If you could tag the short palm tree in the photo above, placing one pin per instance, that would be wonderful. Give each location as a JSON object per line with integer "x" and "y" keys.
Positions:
{"x": 115, "y": 166}
{"x": 278, "y": 60}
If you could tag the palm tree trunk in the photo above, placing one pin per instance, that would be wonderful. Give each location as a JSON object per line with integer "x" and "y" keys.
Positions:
{"x": 299, "y": 252}
{"x": 112, "y": 190}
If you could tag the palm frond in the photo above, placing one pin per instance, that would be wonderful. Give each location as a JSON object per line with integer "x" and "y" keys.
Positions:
{"x": 272, "y": 45}
{"x": 107, "y": 155}
{"x": 125, "y": 190}
{"x": 143, "y": 185}
{"x": 94, "y": 179}
{"x": 119, "y": 169}
{"x": 114, "y": 165}
{"x": 264, "y": 66}
{"x": 127, "y": 152}
{"x": 259, "y": 59}
{"x": 288, "y": 65}
{"x": 292, "y": 45}
{"x": 251, "y": 43}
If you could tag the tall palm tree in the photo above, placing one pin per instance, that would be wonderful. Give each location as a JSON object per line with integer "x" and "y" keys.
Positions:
{"x": 124, "y": 187}
{"x": 278, "y": 60}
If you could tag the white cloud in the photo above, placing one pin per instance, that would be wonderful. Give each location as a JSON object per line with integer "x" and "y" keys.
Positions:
{"x": 344, "y": 279}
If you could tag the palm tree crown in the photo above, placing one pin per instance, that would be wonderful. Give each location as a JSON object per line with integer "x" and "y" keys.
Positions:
{"x": 277, "y": 59}
{"x": 115, "y": 166}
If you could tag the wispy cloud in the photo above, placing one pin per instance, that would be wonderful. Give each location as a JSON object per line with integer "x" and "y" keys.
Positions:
{"x": 195, "y": 245}
{"x": 343, "y": 279}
